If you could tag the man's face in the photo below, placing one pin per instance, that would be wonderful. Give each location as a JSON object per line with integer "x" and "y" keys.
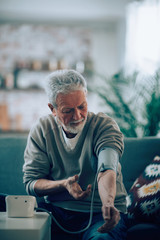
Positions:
{"x": 71, "y": 111}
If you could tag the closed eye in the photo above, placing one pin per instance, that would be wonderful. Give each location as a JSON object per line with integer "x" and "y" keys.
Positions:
{"x": 69, "y": 110}
{"x": 81, "y": 107}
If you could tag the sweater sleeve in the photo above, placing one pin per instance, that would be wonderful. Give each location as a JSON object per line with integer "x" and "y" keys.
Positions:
{"x": 107, "y": 134}
{"x": 36, "y": 163}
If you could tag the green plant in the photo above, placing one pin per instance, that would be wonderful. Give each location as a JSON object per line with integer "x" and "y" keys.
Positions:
{"x": 152, "y": 113}
{"x": 133, "y": 101}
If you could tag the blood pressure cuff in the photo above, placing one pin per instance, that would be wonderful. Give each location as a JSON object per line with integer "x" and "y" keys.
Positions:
{"x": 108, "y": 159}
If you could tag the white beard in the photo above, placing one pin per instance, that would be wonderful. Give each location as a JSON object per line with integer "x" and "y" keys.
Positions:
{"x": 71, "y": 129}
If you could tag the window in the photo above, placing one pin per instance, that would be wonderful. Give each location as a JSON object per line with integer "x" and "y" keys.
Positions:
{"x": 143, "y": 36}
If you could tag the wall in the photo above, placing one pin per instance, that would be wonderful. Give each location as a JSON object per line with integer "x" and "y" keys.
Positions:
{"x": 104, "y": 50}
{"x": 100, "y": 44}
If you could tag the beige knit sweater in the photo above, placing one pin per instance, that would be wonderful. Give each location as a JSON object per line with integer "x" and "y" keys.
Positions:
{"x": 47, "y": 156}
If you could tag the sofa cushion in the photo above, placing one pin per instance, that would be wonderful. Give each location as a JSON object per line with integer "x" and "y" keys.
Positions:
{"x": 144, "y": 196}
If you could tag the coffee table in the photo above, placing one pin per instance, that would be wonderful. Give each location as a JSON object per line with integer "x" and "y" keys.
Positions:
{"x": 37, "y": 227}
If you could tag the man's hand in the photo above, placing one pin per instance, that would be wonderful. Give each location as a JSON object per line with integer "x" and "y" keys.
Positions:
{"x": 75, "y": 190}
{"x": 111, "y": 217}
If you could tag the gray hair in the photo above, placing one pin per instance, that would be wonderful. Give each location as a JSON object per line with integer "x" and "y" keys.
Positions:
{"x": 63, "y": 81}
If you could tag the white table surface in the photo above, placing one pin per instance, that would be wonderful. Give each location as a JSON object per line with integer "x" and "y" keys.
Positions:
{"x": 36, "y": 228}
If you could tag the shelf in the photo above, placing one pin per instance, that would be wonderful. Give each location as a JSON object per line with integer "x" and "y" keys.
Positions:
{"x": 22, "y": 90}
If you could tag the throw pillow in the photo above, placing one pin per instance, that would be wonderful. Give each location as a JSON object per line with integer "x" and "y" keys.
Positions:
{"x": 143, "y": 200}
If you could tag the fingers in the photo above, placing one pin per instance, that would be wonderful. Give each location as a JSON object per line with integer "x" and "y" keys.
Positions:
{"x": 76, "y": 178}
{"x": 83, "y": 194}
{"x": 111, "y": 219}
{"x": 108, "y": 225}
{"x": 73, "y": 179}
{"x": 89, "y": 188}
{"x": 75, "y": 189}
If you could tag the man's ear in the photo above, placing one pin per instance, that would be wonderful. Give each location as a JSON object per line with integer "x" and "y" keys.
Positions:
{"x": 52, "y": 109}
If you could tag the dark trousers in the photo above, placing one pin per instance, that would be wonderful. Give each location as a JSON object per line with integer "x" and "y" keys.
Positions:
{"x": 75, "y": 221}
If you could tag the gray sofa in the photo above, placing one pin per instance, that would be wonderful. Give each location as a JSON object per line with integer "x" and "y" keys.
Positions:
{"x": 137, "y": 154}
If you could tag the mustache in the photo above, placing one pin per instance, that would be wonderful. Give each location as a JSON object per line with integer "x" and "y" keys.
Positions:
{"x": 77, "y": 121}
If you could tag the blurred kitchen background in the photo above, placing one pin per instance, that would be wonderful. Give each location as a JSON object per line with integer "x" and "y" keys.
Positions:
{"x": 115, "y": 44}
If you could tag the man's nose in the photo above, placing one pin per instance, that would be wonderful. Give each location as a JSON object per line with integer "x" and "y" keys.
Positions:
{"x": 76, "y": 114}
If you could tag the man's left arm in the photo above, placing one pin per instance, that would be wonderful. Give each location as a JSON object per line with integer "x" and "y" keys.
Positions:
{"x": 108, "y": 160}
{"x": 107, "y": 192}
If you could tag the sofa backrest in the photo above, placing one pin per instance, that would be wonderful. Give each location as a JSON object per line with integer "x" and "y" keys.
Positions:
{"x": 11, "y": 162}
{"x": 137, "y": 154}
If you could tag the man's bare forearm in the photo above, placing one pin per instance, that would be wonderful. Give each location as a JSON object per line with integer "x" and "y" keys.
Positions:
{"x": 107, "y": 186}
{"x": 107, "y": 192}
{"x": 44, "y": 187}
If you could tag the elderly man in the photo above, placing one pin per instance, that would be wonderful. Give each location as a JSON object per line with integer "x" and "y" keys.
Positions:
{"x": 72, "y": 154}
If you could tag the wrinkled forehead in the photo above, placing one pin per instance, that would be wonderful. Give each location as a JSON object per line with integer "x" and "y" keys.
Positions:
{"x": 71, "y": 99}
